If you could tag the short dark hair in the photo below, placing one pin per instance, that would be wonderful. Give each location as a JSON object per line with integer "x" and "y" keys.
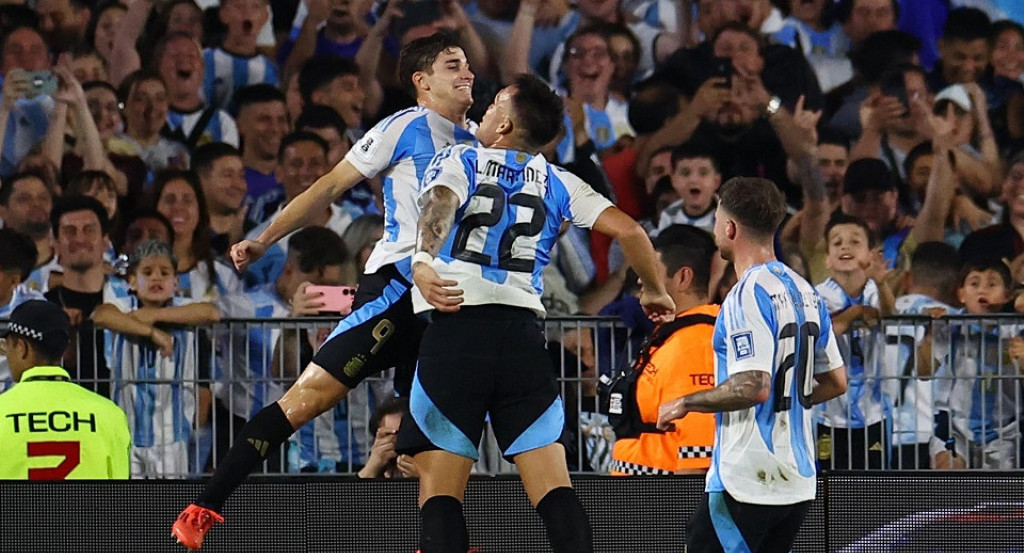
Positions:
{"x": 256, "y": 94}
{"x": 693, "y": 150}
{"x": 936, "y": 264}
{"x": 315, "y": 248}
{"x": 828, "y": 135}
{"x": 538, "y": 109}
{"x": 7, "y": 189}
{"x": 741, "y": 28}
{"x": 70, "y": 204}
{"x": 882, "y": 49}
{"x": 121, "y": 233}
{"x": 84, "y": 181}
{"x": 14, "y": 16}
{"x": 983, "y": 264}
{"x": 161, "y": 46}
{"x": 840, "y": 218}
{"x": 320, "y": 117}
{"x": 206, "y": 155}
{"x": 136, "y": 77}
{"x": 301, "y": 136}
{"x": 320, "y": 71}
{"x": 687, "y": 246}
{"x": 653, "y": 103}
{"x": 755, "y": 203}
{"x": 93, "y": 85}
{"x": 844, "y": 8}
{"x": 17, "y": 252}
{"x": 17, "y": 27}
{"x": 916, "y": 153}
{"x": 420, "y": 55}
{"x": 47, "y": 353}
{"x": 1003, "y": 25}
{"x": 389, "y": 406}
{"x": 967, "y": 24}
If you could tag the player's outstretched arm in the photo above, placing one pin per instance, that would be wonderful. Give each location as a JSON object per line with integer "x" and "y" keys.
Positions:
{"x": 829, "y": 385}
{"x": 299, "y": 213}
{"x": 640, "y": 254}
{"x": 439, "y": 206}
{"x": 742, "y": 390}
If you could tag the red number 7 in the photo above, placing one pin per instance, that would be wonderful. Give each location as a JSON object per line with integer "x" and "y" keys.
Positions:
{"x": 71, "y": 451}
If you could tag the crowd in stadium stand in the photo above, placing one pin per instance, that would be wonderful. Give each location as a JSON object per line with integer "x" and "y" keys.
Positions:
{"x": 894, "y": 129}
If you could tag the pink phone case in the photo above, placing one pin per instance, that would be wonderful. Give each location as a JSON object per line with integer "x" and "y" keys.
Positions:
{"x": 337, "y": 299}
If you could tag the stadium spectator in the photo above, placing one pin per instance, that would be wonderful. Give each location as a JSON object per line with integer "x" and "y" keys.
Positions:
{"x": 36, "y": 338}
{"x": 861, "y": 18}
{"x": 80, "y": 228}
{"x": 237, "y": 63}
{"x": 150, "y": 337}
{"x": 832, "y": 157}
{"x": 679, "y": 361}
{"x": 145, "y": 114}
{"x": 1003, "y": 241}
{"x": 384, "y": 461}
{"x": 24, "y": 112}
{"x": 1007, "y": 57}
{"x": 178, "y": 59}
{"x": 361, "y": 236}
{"x": 334, "y": 82}
{"x": 695, "y": 178}
{"x": 222, "y": 176}
{"x": 100, "y": 187}
{"x": 25, "y": 206}
{"x": 143, "y": 225}
{"x": 63, "y": 22}
{"x": 963, "y": 49}
{"x": 262, "y": 119}
{"x": 809, "y": 28}
{"x": 17, "y": 258}
{"x": 101, "y": 33}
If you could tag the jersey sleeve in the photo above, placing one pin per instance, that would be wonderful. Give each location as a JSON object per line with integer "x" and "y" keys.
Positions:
{"x": 750, "y": 331}
{"x": 449, "y": 168}
{"x": 826, "y": 348}
{"x": 377, "y": 149}
{"x": 583, "y": 205}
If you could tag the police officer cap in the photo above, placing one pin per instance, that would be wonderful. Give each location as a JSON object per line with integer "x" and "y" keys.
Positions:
{"x": 40, "y": 321}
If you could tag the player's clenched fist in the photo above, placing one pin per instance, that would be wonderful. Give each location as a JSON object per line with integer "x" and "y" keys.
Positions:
{"x": 246, "y": 252}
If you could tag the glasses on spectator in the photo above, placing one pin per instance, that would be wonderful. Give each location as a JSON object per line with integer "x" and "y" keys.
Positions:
{"x": 580, "y": 53}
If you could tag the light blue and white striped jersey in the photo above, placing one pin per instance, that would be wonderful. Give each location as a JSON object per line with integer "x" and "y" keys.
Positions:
{"x": 400, "y": 148}
{"x": 863, "y": 404}
{"x": 226, "y": 73}
{"x": 984, "y": 393}
{"x": 20, "y": 295}
{"x": 512, "y": 205}
{"x": 39, "y": 278}
{"x": 799, "y": 35}
{"x": 157, "y": 393}
{"x": 771, "y": 321}
{"x": 243, "y": 378}
{"x": 221, "y": 127}
{"x": 674, "y": 215}
{"x": 194, "y": 284}
{"x": 912, "y": 394}
{"x": 26, "y": 127}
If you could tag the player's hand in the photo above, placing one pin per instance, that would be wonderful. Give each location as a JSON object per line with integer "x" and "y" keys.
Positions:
{"x": 437, "y": 291}
{"x": 660, "y": 308}
{"x": 306, "y": 303}
{"x": 163, "y": 341}
{"x": 669, "y": 412}
{"x": 246, "y": 253}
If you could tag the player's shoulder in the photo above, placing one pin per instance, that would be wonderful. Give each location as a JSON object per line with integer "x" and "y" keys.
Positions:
{"x": 416, "y": 115}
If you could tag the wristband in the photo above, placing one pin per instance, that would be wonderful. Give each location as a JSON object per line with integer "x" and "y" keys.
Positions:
{"x": 422, "y": 257}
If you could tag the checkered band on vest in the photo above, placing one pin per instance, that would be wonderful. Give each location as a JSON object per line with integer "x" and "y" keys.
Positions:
{"x": 634, "y": 469}
{"x": 695, "y": 452}
{"x": 25, "y": 331}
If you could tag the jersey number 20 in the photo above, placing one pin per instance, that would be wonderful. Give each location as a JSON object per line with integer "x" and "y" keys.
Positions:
{"x": 802, "y": 359}
{"x": 484, "y": 220}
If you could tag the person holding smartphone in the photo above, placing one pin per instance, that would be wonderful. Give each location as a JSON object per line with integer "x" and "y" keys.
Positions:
{"x": 24, "y": 102}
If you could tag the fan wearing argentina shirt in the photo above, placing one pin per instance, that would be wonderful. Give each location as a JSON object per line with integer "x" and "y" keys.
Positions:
{"x": 775, "y": 358}
{"x": 382, "y": 331}
{"x": 491, "y": 216}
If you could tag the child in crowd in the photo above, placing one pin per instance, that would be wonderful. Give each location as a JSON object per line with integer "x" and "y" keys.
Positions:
{"x": 978, "y": 392}
{"x": 237, "y": 62}
{"x": 695, "y": 178}
{"x": 912, "y": 348}
{"x": 852, "y": 429}
{"x": 158, "y": 369}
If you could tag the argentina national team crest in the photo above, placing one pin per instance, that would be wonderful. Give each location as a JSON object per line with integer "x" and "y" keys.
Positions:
{"x": 743, "y": 343}
{"x": 520, "y": 157}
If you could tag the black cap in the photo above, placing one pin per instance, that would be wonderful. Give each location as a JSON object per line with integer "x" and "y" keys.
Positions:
{"x": 42, "y": 322}
{"x": 867, "y": 174}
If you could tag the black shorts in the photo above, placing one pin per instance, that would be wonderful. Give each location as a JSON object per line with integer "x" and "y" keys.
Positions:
{"x": 483, "y": 360}
{"x": 381, "y": 332}
{"x": 854, "y": 448}
{"x": 720, "y": 519}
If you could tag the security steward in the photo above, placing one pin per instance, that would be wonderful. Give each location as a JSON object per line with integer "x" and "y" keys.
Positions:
{"x": 50, "y": 427}
{"x": 677, "y": 360}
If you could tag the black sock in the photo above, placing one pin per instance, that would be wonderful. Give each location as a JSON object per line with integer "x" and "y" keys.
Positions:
{"x": 566, "y": 522}
{"x": 262, "y": 434}
{"x": 442, "y": 526}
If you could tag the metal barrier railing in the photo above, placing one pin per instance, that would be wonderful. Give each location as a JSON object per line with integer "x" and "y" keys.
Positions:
{"x": 960, "y": 410}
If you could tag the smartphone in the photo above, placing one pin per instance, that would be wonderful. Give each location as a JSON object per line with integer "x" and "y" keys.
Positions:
{"x": 44, "y": 83}
{"x": 722, "y": 67}
{"x": 337, "y": 299}
{"x": 895, "y": 86}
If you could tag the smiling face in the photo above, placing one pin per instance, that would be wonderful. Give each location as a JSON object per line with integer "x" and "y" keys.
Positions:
{"x": 106, "y": 112}
{"x": 1008, "y": 54}
{"x": 963, "y": 61}
{"x": 178, "y": 202}
{"x": 224, "y": 185}
{"x": 262, "y": 126}
{"x": 181, "y": 67}
{"x": 848, "y": 249}
{"x": 146, "y": 109}
{"x": 154, "y": 280}
{"x": 589, "y": 66}
{"x": 345, "y": 96}
{"x": 80, "y": 240}
{"x": 983, "y": 292}
{"x": 449, "y": 83}
{"x": 695, "y": 180}
{"x": 303, "y": 162}
{"x": 28, "y": 210}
